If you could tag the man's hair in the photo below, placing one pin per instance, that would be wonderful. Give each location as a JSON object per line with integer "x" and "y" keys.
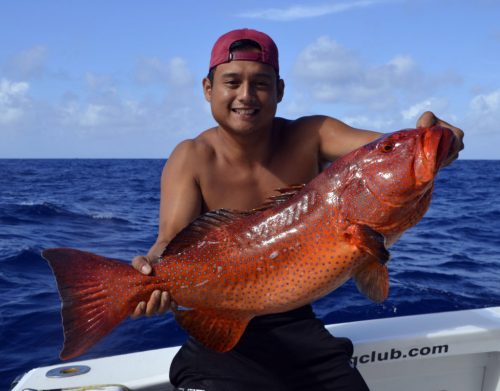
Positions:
{"x": 242, "y": 44}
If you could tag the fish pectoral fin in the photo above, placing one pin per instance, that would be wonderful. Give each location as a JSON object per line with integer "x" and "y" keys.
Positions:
{"x": 372, "y": 280}
{"x": 368, "y": 241}
{"x": 215, "y": 330}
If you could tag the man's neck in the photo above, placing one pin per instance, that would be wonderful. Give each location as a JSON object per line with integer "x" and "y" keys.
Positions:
{"x": 256, "y": 147}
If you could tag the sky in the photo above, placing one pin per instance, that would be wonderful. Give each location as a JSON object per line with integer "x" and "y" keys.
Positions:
{"x": 122, "y": 78}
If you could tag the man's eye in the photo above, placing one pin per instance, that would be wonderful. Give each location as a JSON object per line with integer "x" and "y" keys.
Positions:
{"x": 232, "y": 83}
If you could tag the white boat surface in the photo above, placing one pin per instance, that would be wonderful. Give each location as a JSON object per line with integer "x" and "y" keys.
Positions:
{"x": 448, "y": 351}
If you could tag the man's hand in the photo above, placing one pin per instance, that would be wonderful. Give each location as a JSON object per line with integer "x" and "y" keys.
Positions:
{"x": 429, "y": 119}
{"x": 159, "y": 302}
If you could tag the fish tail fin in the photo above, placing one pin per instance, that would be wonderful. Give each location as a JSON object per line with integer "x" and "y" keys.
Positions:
{"x": 97, "y": 293}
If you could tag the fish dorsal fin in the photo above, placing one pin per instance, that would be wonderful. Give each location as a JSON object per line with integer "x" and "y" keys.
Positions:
{"x": 220, "y": 217}
{"x": 372, "y": 278}
{"x": 217, "y": 330}
{"x": 200, "y": 227}
{"x": 285, "y": 194}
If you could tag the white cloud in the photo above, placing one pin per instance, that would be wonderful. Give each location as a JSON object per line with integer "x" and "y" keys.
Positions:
{"x": 486, "y": 104}
{"x": 27, "y": 64}
{"x": 480, "y": 121}
{"x": 90, "y": 116}
{"x": 332, "y": 73}
{"x": 105, "y": 115}
{"x": 155, "y": 71}
{"x": 414, "y": 111}
{"x": 13, "y": 101}
{"x": 483, "y": 116}
{"x": 296, "y": 12}
{"x": 400, "y": 71}
{"x": 104, "y": 107}
{"x": 372, "y": 122}
{"x": 130, "y": 127}
{"x": 326, "y": 60}
{"x": 100, "y": 83}
{"x": 93, "y": 115}
{"x": 329, "y": 72}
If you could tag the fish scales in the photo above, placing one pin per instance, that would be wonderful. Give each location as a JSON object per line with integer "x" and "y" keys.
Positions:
{"x": 228, "y": 267}
{"x": 276, "y": 271}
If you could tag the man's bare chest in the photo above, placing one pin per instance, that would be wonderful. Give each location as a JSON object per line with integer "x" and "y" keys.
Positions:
{"x": 248, "y": 187}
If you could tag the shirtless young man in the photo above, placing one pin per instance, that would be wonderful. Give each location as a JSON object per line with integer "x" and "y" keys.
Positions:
{"x": 238, "y": 164}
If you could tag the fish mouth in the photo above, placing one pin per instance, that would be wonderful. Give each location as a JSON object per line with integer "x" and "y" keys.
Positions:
{"x": 435, "y": 146}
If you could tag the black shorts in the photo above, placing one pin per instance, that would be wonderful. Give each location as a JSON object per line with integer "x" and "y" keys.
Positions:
{"x": 289, "y": 351}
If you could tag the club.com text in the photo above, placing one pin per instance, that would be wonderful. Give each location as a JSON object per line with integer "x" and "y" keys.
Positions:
{"x": 396, "y": 354}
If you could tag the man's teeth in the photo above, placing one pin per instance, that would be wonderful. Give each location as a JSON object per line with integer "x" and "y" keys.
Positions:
{"x": 245, "y": 111}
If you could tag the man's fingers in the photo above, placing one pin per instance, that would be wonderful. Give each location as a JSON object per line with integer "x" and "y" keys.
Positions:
{"x": 458, "y": 143}
{"x": 159, "y": 303}
{"x": 142, "y": 265}
{"x": 164, "y": 303}
{"x": 427, "y": 119}
{"x": 153, "y": 304}
{"x": 139, "y": 310}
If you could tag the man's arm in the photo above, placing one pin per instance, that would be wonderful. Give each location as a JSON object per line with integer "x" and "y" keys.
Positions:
{"x": 180, "y": 204}
{"x": 337, "y": 138}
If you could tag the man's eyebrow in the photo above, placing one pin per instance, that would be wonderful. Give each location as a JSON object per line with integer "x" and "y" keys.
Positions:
{"x": 230, "y": 74}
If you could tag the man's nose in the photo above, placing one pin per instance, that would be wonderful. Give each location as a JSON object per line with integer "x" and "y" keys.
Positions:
{"x": 246, "y": 92}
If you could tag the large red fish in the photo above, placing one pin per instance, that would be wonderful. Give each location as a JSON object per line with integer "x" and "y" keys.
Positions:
{"x": 227, "y": 267}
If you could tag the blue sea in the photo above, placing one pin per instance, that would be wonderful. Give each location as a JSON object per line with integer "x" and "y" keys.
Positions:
{"x": 449, "y": 261}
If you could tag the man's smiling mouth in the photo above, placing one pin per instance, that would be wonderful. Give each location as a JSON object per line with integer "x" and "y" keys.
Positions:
{"x": 245, "y": 111}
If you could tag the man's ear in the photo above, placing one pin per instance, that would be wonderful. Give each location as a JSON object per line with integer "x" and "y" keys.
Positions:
{"x": 207, "y": 89}
{"x": 281, "y": 89}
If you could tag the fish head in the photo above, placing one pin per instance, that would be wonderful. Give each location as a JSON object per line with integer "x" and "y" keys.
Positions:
{"x": 391, "y": 179}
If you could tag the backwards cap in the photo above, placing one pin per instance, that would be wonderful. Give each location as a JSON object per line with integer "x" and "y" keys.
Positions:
{"x": 221, "y": 52}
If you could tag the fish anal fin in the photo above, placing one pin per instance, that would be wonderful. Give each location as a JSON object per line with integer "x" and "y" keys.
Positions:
{"x": 215, "y": 330}
{"x": 368, "y": 241}
{"x": 372, "y": 280}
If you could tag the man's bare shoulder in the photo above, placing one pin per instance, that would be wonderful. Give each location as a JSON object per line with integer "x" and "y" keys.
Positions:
{"x": 196, "y": 148}
{"x": 312, "y": 123}
{"x": 304, "y": 125}
{"x": 191, "y": 154}
{"x": 302, "y": 129}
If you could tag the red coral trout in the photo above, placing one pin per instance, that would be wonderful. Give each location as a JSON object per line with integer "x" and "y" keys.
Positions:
{"x": 227, "y": 267}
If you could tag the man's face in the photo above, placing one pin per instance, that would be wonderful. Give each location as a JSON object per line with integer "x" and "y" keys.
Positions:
{"x": 244, "y": 96}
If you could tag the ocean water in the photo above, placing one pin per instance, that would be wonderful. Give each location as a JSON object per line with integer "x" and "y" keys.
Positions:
{"x": 449, "y": 261}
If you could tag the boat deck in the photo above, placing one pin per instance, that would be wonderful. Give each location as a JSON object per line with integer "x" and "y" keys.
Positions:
{"x": 454, "y": 351}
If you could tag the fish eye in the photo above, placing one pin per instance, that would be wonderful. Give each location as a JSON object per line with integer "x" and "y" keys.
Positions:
{"x": 386, "y": 147}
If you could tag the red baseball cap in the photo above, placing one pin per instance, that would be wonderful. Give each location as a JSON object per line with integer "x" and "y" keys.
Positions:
{"x": 221, "y": 52}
